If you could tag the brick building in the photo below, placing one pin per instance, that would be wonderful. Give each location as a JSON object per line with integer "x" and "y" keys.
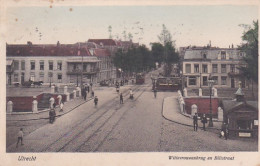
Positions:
{"x": 57, "y": 63}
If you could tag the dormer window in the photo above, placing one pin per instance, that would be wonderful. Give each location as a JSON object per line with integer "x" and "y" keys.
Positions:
{"x": 223, "y": 54}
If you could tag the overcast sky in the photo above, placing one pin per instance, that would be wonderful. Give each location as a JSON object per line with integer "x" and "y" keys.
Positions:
{"x": 189, "y": 25}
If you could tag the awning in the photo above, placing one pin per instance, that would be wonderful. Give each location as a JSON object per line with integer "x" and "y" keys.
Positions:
{"x": 9, "y": 62}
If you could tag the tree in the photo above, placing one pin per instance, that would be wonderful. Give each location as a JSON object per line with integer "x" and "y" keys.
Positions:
{"x": 250, "y": 47}
{"x": 170, "y": 56}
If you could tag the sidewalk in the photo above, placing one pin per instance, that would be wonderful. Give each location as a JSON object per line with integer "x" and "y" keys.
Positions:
{"x": 172, "y": 112}
{"x": 68, "y": 106}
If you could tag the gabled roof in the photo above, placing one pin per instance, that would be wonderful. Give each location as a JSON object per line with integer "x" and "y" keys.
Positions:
{"x": 101, "y": 52}
{"x": 46, "y": 50}
{"x": 232, "y": 105}
{"x": 105, "y": 42}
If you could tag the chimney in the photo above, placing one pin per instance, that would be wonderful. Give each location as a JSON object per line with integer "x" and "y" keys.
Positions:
{"x": 58, "y": 43}
{"x": 29, "y": 43}
{"x": 232, "y": 45}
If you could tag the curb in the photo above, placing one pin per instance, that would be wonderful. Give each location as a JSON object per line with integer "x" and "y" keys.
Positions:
{"x": 180, "y": 122}
{"x": 56, "y": 115}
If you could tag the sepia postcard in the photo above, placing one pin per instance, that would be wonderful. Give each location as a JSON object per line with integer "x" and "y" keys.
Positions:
{"x": 129, "y": 82}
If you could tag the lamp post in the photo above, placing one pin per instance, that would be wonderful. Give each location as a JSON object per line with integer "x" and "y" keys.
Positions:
{"x": 210, "y": 82}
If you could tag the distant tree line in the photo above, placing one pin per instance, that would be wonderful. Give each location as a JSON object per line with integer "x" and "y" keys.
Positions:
{"x": 140, "y": 59}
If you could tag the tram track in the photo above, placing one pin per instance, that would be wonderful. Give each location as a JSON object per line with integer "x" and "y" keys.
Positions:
{"x": 96, "y": 115}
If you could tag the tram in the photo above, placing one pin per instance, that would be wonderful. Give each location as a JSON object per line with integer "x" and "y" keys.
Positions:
{"x": 140, "y": 78}
{"x": 168, "y": 83}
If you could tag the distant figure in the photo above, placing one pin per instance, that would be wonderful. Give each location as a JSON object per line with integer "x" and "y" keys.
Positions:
{"x": 155, "y": 92}
{"x": 92, "y": 93}
{"x": 20, "y": 137}
{"x": 52, "y": 115}
{"x": 121, "y": 98}
{"x": 224, "y": 131}
{"x": 96, "y": 101}
{"x": 131, "y": 94}
{"x": 204, "y": 121}
{"x": 195, "y": 122}
{"x": 61, "y": 106}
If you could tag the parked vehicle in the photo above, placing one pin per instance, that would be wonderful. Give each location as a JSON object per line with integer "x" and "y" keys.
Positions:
{"x": 168, "y": 83}
{"x": 140, "y": 78}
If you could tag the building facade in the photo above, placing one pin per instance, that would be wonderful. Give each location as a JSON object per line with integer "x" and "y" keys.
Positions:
{"x": 66, "y": 63}
{"x": 221, "y": 64}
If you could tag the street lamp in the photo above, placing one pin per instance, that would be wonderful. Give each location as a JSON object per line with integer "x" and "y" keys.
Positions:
{"x": 210, "y": 82}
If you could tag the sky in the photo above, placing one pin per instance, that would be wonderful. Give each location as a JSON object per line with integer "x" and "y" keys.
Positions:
{"x": 189, "y": 25}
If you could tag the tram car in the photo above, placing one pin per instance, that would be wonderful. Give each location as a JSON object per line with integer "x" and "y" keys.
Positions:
{"x": 139, "y": 79}
{"x": 168, "y": 83}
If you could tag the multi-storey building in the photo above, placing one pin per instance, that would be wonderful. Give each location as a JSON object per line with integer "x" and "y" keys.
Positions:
{"x": 221, "y": 64}
{"x": 61, "y": 63}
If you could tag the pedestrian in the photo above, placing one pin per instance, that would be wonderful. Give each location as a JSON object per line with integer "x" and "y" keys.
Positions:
{"x": 92, "y": 93}
{"x": 121, "y": 98}
{"x": 88, "y": 88}
{"x": 155, "y": 92}
{"x": 223, "y": 132}
{"x": 82, "y": 93}
{"x": 195, "y": 122}
{"x": 61, "y": 106}
{"x": 204, "y": 121}
{"x": 96, "y": 101}
{"x": 20, "y": 137}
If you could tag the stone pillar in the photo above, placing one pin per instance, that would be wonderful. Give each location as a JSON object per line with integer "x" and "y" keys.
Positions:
{"x": 51, "y": 102}
{"x": 183, "y": 106}
{"x": 67, "y": 96}
{"x": 59, "y": 99}
{"x": 65, "y": 89}
{"x": 35, "y": 106}
{"x": 74, "y": 94}
{"x": 200, "y": 92}
{"x": 9, "y": 107}
{"x": 215, "y": 92}
{"x": 185, "y": 94}
{"x": 194, "y": 109}
{"x": 52, "y": 89}
{"x": 79, "y": 90}
{"x": 220, "y": 114}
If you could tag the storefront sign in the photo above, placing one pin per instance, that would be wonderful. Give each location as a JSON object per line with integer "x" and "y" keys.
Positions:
{"x": 256, "y": 122}
{"x": 244, "y": 134}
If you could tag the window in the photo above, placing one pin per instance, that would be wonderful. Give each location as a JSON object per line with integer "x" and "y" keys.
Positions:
{"x": 196, "y": 68}
{"x": 59, "y": 65}
{"x": 223, "y": 54}
{"x": 192, "y": 80}
{"x": 41, "y": 65}
{"x": 85, "y": 67}
{"x": 223, "y": 68}
{"x": 223, "y": 80}
{"x": 215, "y": 78}
{"x": 75, "y": 67}
{"x": 32, "y": 65}
{"x": 23, "y": 65}
{"x": 59, "y": 78}
{"x": 50, "y": 75}
{"x": 215, "y": 68}
{"x": 16, "y": 76}
{"x": 32, "y": 76}
{"x": 41, "y": 76}
{"x": 16, "y": 65}
{"x": 205, "y": 68}
{"x": 188, "y": 68}
{"x": 232, "y": 68}
{"x": 244, "y": 124}
{"x": 204, "y": 56}
{"x": 50, "y": 65}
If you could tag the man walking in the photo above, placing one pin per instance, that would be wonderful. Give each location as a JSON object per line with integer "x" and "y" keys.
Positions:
{"x": 121, "y": 98}
{"x": 195, "y": 122}
{"x": 204, "y": 121}
{"x": 223, "y": 131}
{"x": 20, "y": 137}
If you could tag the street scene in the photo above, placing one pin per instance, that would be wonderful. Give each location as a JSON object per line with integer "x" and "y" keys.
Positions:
{"x": 137, "y": 83}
